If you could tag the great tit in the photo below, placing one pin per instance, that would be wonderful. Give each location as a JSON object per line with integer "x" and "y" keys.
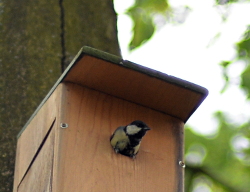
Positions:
{"x": 126, "y": 140}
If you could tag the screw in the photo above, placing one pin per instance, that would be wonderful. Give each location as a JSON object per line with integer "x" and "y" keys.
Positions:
{"x": 182, "y": 164}
{"x": 64, "y": 125}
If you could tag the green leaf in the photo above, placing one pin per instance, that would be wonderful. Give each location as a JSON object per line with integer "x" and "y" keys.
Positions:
{"x": 142, "y": 14}
{"x": 153, "y": 6}
{"x": 143, "y": 27}
{"x": 224, "y": 2}
{"x": 243, "y": 47}
{"x": 226, "y": 77}
{"x": 245, "y": 81}
{"x": 225, "y": 64}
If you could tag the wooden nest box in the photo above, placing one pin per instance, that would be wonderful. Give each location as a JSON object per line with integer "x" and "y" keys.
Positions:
{"x": 65, "y": 145}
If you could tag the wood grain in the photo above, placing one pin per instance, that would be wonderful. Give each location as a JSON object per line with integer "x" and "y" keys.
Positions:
{"x": 86, "y": 161}
{"x": 131, "y": 85}
{"x": 31, "y": 139}
{"x": 82, "y": 157}
{"x": 39, "y": 176}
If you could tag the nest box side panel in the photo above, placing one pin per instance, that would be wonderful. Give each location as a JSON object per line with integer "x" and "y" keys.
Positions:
{"x": 86, "y": 160}
{"x": 31, "y": 139}
{"x": 39, "y": 176}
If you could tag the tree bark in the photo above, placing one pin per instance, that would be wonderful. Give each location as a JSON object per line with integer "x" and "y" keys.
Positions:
{"x": 38, "y": 40}
{"x": 91, "y": 23}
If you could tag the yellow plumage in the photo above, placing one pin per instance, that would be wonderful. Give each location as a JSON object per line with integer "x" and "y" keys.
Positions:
{"x": 121, "y": 140}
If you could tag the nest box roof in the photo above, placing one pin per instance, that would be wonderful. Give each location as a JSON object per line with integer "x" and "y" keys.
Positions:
{"x": 126, "y": 80}
{"x": 110, "y": 74}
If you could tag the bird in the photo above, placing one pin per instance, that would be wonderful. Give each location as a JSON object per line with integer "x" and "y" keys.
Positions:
{"x": 126, "y": 140}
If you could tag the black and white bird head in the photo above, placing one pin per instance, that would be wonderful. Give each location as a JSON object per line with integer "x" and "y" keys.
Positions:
{"x": 137, "y": 129}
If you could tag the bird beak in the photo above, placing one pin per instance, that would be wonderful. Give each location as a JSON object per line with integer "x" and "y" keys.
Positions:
{"x": 147, "y": 128}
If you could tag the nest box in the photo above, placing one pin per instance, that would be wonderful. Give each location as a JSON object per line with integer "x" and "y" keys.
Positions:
{"x": 65, "y": 145}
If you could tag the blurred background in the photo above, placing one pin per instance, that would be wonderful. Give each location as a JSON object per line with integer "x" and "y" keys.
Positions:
{"x": 207, "y": 43}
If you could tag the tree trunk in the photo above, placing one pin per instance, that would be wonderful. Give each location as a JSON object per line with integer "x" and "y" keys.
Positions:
{"x": 38, "y": 40}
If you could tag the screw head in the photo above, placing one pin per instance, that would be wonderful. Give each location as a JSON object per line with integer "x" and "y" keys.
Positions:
{"x": 182, "y": 164}
{"x": 64, "y": 125}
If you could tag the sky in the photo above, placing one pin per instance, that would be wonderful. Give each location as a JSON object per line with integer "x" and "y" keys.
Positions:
{"x": 189, "y": 51}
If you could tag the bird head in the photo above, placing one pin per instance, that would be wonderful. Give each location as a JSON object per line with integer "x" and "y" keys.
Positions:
{"x": 137, "y": 128}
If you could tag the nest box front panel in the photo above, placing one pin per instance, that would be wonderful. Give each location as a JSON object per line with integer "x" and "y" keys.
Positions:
{"x": 86, "y": 160}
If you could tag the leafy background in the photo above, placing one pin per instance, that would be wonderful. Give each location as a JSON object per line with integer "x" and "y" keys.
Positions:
{"x": 221, "y": 161}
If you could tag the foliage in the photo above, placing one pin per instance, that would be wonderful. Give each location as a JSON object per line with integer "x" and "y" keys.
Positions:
{"x": 224, "y": 2}
{"x": 214, "y": 163}
{"x": 142, "y": 14}
{"x": 243, "y": 54}
{"x": 243, "y": 50}
{"x": 242, "y": 133}
{"x": 219, "y": 162}
{"x": 245, "y": 80}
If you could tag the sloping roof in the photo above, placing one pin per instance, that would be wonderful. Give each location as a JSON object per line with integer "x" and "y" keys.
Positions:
{"x": 112, "y": 75}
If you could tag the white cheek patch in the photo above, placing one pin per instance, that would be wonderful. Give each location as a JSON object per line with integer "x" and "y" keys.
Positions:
{"x": 132, "y": 129}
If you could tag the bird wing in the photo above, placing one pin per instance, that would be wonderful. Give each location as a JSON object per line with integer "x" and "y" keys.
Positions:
{"x": 120, "y": 140}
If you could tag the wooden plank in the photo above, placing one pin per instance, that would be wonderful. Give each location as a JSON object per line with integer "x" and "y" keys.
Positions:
{"x": 39, "y": 176}
{"x": 31, "y": 139}
{"x": 86, "y": 161}
{"x": 167, "y": 97}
